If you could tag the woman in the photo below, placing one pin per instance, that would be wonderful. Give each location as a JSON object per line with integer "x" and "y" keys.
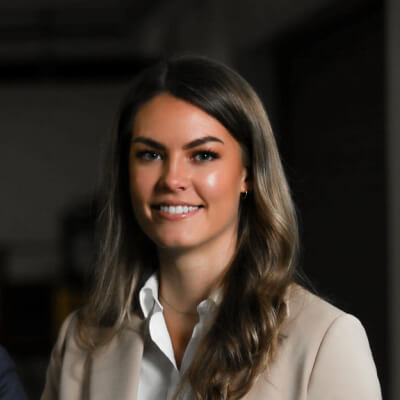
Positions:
{"x": 196, "y": 297}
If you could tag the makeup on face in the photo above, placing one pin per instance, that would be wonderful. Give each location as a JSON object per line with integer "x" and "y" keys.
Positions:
{"x": 186, "y": 174}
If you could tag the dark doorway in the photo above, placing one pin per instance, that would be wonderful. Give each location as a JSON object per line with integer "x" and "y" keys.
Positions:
{"x": 332, "y": 135}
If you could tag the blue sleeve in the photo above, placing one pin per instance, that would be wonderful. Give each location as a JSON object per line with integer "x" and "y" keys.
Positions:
{"x": 10, "y": 386}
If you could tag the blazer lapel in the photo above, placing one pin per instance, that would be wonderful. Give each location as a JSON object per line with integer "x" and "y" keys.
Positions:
{"x": 115, "y": 369}
{"x": 263, "y": 388}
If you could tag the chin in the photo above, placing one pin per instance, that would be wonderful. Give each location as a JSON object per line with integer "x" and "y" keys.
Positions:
{"x": 174, "y": 243}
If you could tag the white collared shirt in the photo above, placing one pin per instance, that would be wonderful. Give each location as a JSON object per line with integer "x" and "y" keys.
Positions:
{"x": 159, "y": 375}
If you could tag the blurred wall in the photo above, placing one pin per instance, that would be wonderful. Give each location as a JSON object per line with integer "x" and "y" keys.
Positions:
{"x": 52, "y": 140}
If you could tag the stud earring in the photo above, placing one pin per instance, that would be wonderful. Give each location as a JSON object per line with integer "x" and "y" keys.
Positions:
{"x": 243, "y": 195}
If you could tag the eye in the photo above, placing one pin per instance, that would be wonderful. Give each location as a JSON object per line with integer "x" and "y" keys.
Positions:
{"x": 148, "y": 155}
{"x": 205, "y": 155}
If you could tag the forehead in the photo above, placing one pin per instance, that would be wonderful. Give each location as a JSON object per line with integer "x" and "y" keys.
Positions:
{"x": 166, "y": 117}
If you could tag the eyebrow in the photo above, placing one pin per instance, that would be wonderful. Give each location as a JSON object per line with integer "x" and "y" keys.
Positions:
{"x": 149, "y": 142}
{"x": 190, "y": 145}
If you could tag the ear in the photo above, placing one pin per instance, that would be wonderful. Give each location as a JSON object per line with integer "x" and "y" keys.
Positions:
{"x": 246, "y": 184}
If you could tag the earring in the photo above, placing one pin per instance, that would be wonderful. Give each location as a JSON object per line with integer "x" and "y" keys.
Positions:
{"x": 243, "y": 195}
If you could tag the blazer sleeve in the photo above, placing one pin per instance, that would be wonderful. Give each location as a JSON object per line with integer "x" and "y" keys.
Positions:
{"x": 10, "y": 385}
{"x": 53, "y": 376}
{"x": 344, "y": 368}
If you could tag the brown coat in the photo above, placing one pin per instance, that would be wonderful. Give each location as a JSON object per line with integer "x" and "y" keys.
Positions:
{"x": 325, "y": 355}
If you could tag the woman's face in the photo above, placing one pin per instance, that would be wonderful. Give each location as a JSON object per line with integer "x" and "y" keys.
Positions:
{"x": 186, "y": 175}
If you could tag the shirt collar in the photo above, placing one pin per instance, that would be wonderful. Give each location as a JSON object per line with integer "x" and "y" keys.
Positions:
{"x": 148, "y": 296}
{"x": 149, "y": 302}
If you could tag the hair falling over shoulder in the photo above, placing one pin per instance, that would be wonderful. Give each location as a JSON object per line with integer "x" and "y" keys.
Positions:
{"x": 239, "y": 345}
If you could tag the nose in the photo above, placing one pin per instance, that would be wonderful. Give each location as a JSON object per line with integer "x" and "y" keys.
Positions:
{"x": 175, "y": 175}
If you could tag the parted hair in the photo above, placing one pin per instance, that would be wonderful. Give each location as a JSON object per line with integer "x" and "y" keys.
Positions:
{"x": 244, "y": 336}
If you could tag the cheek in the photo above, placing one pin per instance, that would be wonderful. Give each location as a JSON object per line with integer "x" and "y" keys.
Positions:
{"x": 223, "y": 184}
{"x": 211, "y": 180}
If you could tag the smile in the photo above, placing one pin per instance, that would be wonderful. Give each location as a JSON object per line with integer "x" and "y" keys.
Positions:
{"x": 178, "y": 209}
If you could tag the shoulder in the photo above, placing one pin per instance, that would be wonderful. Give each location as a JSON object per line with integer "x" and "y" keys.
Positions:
{"x": 308, "y": 311}
{"x": 69, "y": 366}
{"x": 10, "y": 385}
{"x": 67, "y": 331}
{"x": 313, "y": 322}
{"x": 80, "y": 338}
{"x": 72, "y": 326}
{"x": 5, "y": 361}
{"x": 330, "y": 347}
{"x": 66, "y": 363}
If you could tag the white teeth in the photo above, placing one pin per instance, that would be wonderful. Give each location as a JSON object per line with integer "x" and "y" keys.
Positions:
{"x": 178, "y": 209}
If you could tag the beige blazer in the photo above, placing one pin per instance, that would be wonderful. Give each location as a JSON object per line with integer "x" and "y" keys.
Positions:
{"x": 325, "y": 356}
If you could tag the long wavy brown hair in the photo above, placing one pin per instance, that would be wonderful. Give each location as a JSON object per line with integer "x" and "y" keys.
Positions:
{"x": 244, "y": 335}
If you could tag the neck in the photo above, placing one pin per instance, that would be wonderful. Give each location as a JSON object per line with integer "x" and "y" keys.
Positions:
{"x": 189, "y": 276}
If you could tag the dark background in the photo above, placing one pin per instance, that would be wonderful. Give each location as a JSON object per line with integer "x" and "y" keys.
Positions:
{"x": 318, "y": 65}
